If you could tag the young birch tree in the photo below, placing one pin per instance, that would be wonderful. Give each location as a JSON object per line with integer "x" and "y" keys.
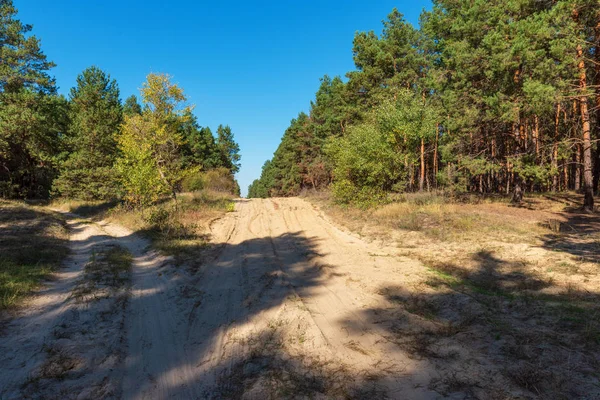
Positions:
{"x": 150, "y": 142}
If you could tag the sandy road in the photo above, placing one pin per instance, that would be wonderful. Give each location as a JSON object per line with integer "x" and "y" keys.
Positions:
{"x": 287, "y": 291}
{"x": 57, "y": 346}
{"x": 285, "y": 306}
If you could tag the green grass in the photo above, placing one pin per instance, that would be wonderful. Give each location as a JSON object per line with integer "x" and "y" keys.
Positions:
{"x": 450, "y": 280}
{"x": 33, "y": 243}
{"x": 108, "y": 267}
{"x": 119, "y": 261}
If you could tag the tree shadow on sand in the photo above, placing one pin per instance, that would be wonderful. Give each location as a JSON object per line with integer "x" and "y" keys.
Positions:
{"x": 575, "y": 233}
{"x": 248, "y": 281}
{"x": 492, "y": 330}
{"x": 497, "y": 330}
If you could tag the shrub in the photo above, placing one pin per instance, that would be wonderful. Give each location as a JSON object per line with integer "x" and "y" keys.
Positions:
{"x": 345, "y": 192}
{"x": 193, "y": 183}
{"x": 158, "y": 217}
{"x": 218, "y": 180}
{"x": 364, "y": 159}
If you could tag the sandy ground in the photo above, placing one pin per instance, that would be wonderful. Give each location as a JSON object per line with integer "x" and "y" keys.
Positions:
{"x": 285, "y": 306}
{"x": 61, "y": 346}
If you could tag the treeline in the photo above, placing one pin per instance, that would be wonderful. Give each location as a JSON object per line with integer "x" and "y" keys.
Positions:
{"x": 91, "y": 146}
{"x": 491, "y": 97}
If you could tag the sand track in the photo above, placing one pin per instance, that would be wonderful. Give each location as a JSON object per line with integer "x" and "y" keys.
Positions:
{"x": 281, "y": 309}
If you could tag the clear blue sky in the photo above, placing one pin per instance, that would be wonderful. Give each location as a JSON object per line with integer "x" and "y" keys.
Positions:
{"x": 250, "y": 64}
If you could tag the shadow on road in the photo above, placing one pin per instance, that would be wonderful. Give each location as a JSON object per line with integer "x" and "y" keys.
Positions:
{"x": 492, "y": 330}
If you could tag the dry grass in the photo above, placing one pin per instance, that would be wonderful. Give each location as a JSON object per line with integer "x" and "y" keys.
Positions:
{"x": 516, "y": 286}
{"x": 58, "y": 364}
{"x": 435, "y": 217}
{"x": 33, "y": 243}
{"x": 273, "y": 369}
{"x": 179, "y": 229}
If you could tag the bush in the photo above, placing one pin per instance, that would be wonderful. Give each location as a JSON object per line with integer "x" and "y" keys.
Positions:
{"x": 343, "y": 191}
{"x": 423, "y": 198}
{"x": 158, "y": 217}
{"x": 218, "y": 180}
{"x": 193, "y": 183}
{"x": 366, "y": 166}
{"x": 363, "y": 197}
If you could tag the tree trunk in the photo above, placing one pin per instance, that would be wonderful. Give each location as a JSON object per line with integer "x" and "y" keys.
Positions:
{"x": 555, "y": 151}
{"x": 588, "y": 184}
{"x": 597, "y": 85}
{"x": 565, "y": 176}
{"x": 577, "y": 167}
{"x": 536, "y": 137}
{"x": 517, "y": 196}
{"x": 422, "y": 172}
{"x": 435, "y": 155}
{"x": 508, "y": 175}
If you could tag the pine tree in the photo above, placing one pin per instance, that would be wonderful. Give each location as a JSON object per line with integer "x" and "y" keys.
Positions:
{"x": 96, "y": 116}
{"x": 131, "y": 106}
{"x": 200, "y": 148}
{"x": 230, "y": 150}
{"x": 496, "y": 96}
{"x": 32, "y": 118}
{"x": 24, "y": 65}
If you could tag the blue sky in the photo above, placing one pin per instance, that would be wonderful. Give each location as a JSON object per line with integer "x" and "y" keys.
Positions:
{"x": 251, "y": 65}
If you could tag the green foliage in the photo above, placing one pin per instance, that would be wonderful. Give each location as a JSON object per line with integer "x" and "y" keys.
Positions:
{"x": 229, "y": 149}
{"x": 137, "y": 165}
{"x": 346, "y": 192}
{"x": 482, "y": 96}
{"x": 299, "y": 161}
{"x": 72, "y": 146}
{"x": 131, "y": 106}
{"x": 217, "y": 180}
{"x": 200, "y": 148}
{"x": 388, "y": 63}
{"x": 366, "y": 162}
{"x": 24, "y": 65}
{"x": 152, "y": 143}
{"x": 408, "y": 119}
{"x": 32, "y": 118}
{"x": 193, "y": 182}
{"x": 220, "y": 180}
{"x": 31, "y": 125}
{"x": 529, "y": 171}
{"x": 87, "y": 173}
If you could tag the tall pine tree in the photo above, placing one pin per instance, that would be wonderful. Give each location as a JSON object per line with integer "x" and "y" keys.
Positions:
{"x": 32, "y": 117}
{"x": 96, "y": 115}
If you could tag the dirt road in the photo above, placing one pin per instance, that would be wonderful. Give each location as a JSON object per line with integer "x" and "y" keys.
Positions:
{"x": 283, "y": 309}
{"x": 286, "y": 305}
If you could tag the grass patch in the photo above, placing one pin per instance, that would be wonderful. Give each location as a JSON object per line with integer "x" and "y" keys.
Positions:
{"x": 180, "y": 229}
{"x": 33, "y": 243}
{"x": 448, "y": 221}
{"x": 438, "y": 217}
{"x": 447, "y": 278}
{"x": 107, "y": 270}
